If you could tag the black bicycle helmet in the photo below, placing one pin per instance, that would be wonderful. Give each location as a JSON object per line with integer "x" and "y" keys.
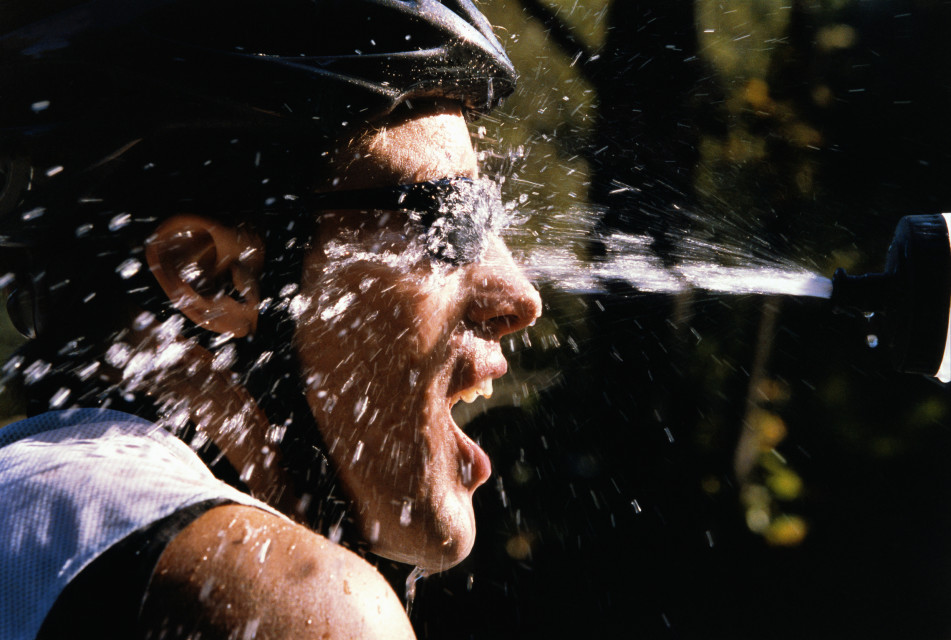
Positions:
{"x": 84, "y": 81}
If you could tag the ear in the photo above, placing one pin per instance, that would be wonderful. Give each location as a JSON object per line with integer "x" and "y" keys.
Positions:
{"x": 209, "y": 271}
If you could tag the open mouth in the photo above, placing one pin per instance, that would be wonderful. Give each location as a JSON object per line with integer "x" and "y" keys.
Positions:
{"x": 471, "y": 394}
{"x": 475, "y": 466}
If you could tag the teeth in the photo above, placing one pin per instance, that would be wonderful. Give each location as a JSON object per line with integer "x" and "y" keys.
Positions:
{"x": 483, "y": 389}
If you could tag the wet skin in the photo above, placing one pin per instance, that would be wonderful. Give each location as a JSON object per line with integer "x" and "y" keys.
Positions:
{"x": 390, "y": 340}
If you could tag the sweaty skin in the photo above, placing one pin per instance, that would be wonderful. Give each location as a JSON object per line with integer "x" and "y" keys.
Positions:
{"x": 237, "y": 569}
{"x": 387, "y": 342}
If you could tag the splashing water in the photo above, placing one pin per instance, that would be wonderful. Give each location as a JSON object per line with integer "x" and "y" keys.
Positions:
{"x": 630, "y": 260}
{"x": 762, "y": 280}
{"x": 414, "y": 576}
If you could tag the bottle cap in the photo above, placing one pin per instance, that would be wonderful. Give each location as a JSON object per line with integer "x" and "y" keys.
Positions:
{"x": 916, "y": 316}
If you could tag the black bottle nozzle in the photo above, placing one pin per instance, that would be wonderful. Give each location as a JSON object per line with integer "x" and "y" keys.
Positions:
{"x": 914, "y": 294}
{"x": 865, "y": 292}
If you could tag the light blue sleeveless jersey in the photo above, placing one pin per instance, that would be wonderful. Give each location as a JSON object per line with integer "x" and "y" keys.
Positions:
{"x": 72, "y": 484}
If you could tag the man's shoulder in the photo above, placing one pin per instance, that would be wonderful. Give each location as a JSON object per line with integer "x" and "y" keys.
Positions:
{"x": 241, "y": 571}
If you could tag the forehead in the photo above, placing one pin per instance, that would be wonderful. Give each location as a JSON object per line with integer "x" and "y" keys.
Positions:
{"x": 428, "y": 143}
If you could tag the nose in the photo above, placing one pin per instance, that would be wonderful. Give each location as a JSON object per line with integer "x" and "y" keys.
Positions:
{"x": 504, "y": 300}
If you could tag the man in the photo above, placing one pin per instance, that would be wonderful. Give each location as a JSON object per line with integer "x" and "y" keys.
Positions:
{"x": 231, "y": 255}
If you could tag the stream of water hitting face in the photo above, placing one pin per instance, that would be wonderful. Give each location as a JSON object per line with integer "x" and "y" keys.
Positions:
{"x": 630, "y": 259}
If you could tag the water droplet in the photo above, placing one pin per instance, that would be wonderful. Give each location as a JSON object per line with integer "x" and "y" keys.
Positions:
{"x": 59, "y": 398}
{"x": 221, "y": 339}
{"x": 872, "y": 340}
{"x": 414, "y": 576}
{"x": 118, "y": 354}
{"x": 338, "y": 307}
{"x": 224, "y": 358}
{"x": 190, "y": 272}
{"x": 251, "y": 629}
{"x": 40, "y": 105}
{"x": 36, "y": 371}
{"x": 336, "y": 533}
{"x": 206, "y": 589}
{"x": 86, "y": 372}
{"x": 406, "y": 513}
{"x": 263, "y": 359}
{"x": 143, "y": 321}
{"x": 129, "y": 268}
{"x": 262, "y": 554}
{"x": 119, "y": 221}
{"x": 299, "y": 304}
{"x": 375, "y": 531}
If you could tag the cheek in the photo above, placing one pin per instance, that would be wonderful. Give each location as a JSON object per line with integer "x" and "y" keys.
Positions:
{"x": 349, "y": 341}
{"x": 348, "y": 315}
{"x": 372, "y": 319}
{"x": 437, "y": 303}
{"x": 380, "y": 302}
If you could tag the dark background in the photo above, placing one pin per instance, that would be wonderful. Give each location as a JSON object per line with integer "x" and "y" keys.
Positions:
{"x": 715, "y": 466}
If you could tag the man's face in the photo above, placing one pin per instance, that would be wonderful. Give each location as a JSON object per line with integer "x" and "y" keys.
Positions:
{"x": 389, "y": 339}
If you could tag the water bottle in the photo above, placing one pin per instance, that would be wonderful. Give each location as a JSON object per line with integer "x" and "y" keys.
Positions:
{"x": 913, "y": 295}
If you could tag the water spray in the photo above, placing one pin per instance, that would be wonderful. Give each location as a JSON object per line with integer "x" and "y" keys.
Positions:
{"x": 913, "y": 294}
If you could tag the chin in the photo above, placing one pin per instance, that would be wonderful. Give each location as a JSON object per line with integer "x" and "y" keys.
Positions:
{"x": 435, "y": 541}
{"x": 432, "y": 560}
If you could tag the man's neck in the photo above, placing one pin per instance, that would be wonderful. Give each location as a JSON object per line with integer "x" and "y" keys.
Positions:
{"x": 186, "y": 384}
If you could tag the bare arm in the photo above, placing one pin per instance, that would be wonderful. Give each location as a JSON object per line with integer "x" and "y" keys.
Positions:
{"x": 242, "y": 572}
